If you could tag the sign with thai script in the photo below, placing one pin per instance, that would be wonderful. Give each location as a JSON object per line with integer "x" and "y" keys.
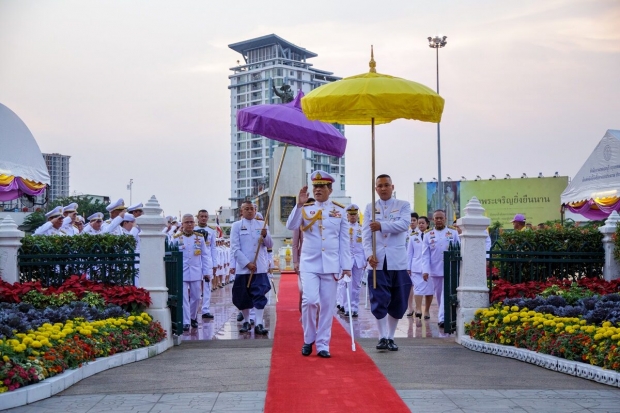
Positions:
{"x": 287, "y": 203}
{"x": 536, "y": 198}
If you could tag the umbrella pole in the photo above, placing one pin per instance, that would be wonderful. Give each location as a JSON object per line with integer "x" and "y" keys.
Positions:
{"x": 374, "y": 234}
{"x": 273, "y": 192}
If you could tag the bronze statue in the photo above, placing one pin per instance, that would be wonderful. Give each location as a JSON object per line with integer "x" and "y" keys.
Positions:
{"x": 285, "y": 93}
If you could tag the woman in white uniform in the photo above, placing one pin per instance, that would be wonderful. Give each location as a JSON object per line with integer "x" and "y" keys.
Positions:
{"x": 421, "y": 288}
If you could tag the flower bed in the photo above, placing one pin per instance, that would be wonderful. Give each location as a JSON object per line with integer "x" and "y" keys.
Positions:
{"x": 503, "y": 289}
{"x": 129, "y": 297}
{"x": 45, "y": 331}
{"x": 571, "y": 338}
{"x": 50, "y": 349}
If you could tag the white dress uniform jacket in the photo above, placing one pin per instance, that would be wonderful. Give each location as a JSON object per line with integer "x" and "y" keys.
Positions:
{"x": 196, "y": 257}
{"x": 435, "y": 243}
{"x": 414, "y": 252}
{"x": 210, "y": 242}
{"x": 326, "y": 248}
{"x": 358, "y": 256}
{"x": 395, "y": 218}
{"x": 68, "y": 227}
{"x": 113, "y": 227}
{"x": 90, "y": 230}
{"x": 48, "y": 229}
{"x": 244, "y": 238}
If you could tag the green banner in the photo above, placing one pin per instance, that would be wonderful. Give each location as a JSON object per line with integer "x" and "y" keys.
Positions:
{"x": 536, "y": 198}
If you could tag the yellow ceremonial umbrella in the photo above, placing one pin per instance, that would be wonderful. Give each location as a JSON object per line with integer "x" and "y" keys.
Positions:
{"x": 372, "y": 99}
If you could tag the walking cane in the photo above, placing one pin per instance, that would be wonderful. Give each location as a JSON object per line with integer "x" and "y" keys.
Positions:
{"x": 275, "y": 292}
{"x": 366, "y": 288}
{"x": 347, "y": 281}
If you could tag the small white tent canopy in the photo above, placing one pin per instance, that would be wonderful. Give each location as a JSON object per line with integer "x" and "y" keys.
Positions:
{"x": 20, "y": 155}
{"x": 596, "y": 187}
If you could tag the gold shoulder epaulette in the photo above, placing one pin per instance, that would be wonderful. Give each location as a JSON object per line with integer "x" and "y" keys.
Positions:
{"x": 338, "y": 203}
{"x": 427, "y": 230}
{"x": 178, "y": 234}
{"x": 309, "y": 203}
{"x": 197, "y": 233}
{"x": 209, "y": 226}
{"x": 108, "y": 221}
{"x": 451, "y": 227}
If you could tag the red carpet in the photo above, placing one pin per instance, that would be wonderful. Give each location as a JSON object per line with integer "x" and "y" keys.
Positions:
{"x": 347, "y": 382}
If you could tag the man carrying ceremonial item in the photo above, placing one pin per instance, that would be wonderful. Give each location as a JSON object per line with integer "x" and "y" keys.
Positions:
{"x": 209, "y": 236}
{"x": 246, "y": 237}
{"x": 325, "y": 253}
{"x": 196, "y": 265}
{"x": 388, "y": 302}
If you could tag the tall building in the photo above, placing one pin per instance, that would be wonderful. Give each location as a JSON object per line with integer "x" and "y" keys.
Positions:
{"x": 58, "y": 167}
{"x": 270, "y": 62}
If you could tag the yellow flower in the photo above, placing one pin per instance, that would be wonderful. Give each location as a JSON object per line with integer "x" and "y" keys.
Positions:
{"x": 5, "y": 358}
{"x": 514, "y": 308}
{"x": 36, "y": 344}
{"x": 607, "y": 324}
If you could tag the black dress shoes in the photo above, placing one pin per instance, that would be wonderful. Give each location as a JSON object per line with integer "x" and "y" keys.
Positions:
{"x": 354, "y": 314}
{"x": 208, "y": 315}
{"x": 185, "y": 327}
{"x": 391, "y": 345}
{"x": 240, "y": 317}
{"x": 246, "y": 327}
{"x": 306, "y": 350}
{"x": 259, "y": 329}
{"x": 324, "y": 353}
{"x": 440, "y": 324}
{"x": 346, "y": 314}
{"x": 383, "y": 344}
{"x": 194, "y": 323}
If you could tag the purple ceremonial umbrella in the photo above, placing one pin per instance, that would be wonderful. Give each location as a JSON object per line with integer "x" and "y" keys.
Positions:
{"x": 287, "y": 123}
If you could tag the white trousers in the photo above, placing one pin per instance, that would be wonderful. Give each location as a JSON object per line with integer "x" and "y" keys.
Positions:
{"x": 319, "y": 295}
{"x": 206, "y": 296}
{"x": 438, "y": 284}
{"x": 341, "y": 294}
{"x": 356, "y": 285}
{"x": 191, "y": 300}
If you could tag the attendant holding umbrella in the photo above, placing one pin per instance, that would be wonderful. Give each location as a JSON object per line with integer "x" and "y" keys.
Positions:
{"x": 388, "y": 301}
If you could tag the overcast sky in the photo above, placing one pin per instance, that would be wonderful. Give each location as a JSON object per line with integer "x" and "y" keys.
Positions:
{"x": 138, "y": 89}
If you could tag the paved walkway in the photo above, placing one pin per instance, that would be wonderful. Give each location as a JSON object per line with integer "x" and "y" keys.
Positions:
{"x": 432, "y": 374}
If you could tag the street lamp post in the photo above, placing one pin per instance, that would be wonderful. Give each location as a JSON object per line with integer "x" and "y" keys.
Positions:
{"x": 437, "y": 43}
{"x": 130, "y": 187}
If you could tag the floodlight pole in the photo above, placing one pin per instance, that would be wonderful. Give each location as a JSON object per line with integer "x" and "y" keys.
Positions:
{"x": 437, "y": 43}
{"x": 130, "y": 187}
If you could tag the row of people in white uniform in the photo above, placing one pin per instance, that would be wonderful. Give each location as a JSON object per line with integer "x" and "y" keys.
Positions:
{"x": 65, "y": 221}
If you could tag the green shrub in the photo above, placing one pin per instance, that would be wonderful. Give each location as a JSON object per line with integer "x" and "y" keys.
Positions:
{"x": 53, "y": 259}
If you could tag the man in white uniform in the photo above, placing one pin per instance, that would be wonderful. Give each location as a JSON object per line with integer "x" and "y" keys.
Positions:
{"x": 388, "y": 302}
{"x": 196, "y": 265}
{"x": 325, "y": 254}
{"x": 358, "y": 258}
{"x": 246, "y": 236}
{"x": 68, "y": 224}
{"x": 53, "y": 224}
{"x": 436, "y": 241}
{"x": 209, "y": 235}
{"x": 115, "y": 209}
{"x": 94, "y": 224}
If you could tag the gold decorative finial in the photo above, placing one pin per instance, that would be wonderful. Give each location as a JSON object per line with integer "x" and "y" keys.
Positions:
{"x": 372, "y": 63}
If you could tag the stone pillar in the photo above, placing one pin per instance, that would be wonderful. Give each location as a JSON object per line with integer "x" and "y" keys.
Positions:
{"x": 10, "y": 242}
{"x": 152, "y": 268}
{"x": 611, "y": 270}
{"x": 472, "y": 291}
